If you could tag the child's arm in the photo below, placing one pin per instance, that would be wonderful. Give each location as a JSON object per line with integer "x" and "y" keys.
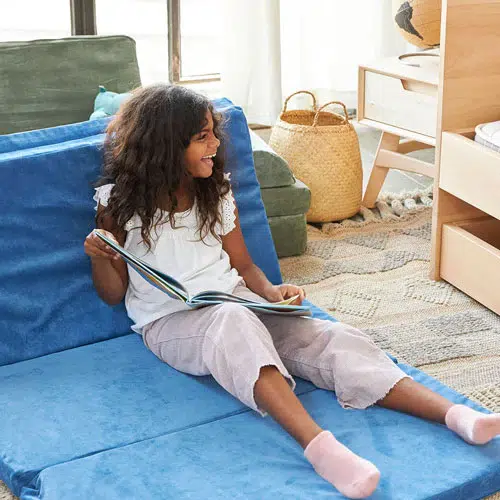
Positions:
{"x": 109, "y": 271}
{"x": 234, "y": 244}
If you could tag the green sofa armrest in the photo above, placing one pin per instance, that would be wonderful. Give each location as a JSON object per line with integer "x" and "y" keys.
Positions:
{"x": 287, "y": 200}
{"x": 272, "y": 170}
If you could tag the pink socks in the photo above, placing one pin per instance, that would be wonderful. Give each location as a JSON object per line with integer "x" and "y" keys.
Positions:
{"x": 356, "y": 477}
{"x": 353, "y": 476}
{"x": 471, "y": 425}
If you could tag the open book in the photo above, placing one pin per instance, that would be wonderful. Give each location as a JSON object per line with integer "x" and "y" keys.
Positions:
{"x": 176, "y": 290}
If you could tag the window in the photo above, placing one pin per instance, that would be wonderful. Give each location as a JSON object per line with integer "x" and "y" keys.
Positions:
{"x": 194, "y": 42}
{"x": 33, "y": 19}
{"x": 194, "y": 27}
{"x": 146, "y": 21}
{"x": 188, "y": 26}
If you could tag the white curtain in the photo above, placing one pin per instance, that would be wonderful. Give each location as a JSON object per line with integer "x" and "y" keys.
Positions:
{"x": 273, "y": 48}
{"x": 251, "y": 62}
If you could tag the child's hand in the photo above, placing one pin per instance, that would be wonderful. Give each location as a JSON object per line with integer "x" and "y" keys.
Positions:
{"x": 96, "y": 248}
{"x": 277, "y": 293}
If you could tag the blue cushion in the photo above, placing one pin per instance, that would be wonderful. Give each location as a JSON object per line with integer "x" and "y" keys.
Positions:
{"x": 53, "y": 135}
{"x": 47, "y": 301}
{"x": 85, "y": 400}
{"x": 245, "y": 456}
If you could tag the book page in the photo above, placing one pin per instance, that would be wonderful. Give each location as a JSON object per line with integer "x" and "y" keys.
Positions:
{"x": 160, "y": 280}
{"x": 214, "y": 297}
{"x": 213, "y": 294}
{"x": 285, "y": 302}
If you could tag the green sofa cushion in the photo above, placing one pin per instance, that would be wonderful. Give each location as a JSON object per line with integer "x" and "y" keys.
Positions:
{"x": 289, "y": 234}
{"x": 288, "y": 200}
{"x": 271, "y": 169}
{"x": 54, "y": 82}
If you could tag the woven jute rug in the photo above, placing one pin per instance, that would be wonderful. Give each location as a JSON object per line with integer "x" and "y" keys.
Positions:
{"x": 372, "y": 271}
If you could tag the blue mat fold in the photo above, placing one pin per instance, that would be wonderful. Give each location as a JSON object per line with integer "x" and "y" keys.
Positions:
{"x": 67, "y": 405}
{"x": 247, "y": 457}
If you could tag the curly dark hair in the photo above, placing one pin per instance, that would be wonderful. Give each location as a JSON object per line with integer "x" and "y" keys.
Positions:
{"x": 144, "y": 157}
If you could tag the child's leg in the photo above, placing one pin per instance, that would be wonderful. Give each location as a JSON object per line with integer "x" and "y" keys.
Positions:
{"x": 414, "y": 398}
{"x": 231, "y": 343}
{"x": 336, "y": 357}
{"x": 274, "y": 396}
{"x": 352, "y": 475}
{"x": 411, "y": 397}
{"x": 339, "y": 357}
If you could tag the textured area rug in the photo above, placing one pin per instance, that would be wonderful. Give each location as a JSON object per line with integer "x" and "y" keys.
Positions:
{"x": 372, "y": 271}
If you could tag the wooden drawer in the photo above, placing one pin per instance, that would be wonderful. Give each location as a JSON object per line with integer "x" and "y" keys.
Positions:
{"x": 470, "y": 259}
{"x": 399, "y": 102}
{"x": 471, "y": 172}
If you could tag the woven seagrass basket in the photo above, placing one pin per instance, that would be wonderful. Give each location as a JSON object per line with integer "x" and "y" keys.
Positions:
{"x": 322, "y": 150}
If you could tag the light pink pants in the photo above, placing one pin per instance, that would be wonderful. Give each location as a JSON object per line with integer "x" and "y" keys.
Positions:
{"x": 232, "y": 343}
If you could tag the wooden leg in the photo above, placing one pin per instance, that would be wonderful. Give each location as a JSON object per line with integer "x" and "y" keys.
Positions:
{"x": 388, "y": 142}
{"x": 408, "y": 145}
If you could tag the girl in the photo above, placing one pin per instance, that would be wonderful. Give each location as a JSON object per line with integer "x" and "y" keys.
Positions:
{"x": 164, "y": 197}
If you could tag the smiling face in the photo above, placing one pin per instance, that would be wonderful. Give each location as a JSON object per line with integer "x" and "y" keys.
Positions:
{"x": 201, "y": 150}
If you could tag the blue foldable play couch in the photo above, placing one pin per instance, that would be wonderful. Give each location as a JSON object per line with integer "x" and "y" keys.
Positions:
{"x": 87, "y": 412}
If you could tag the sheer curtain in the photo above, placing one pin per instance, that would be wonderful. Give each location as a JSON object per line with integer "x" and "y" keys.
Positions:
{"x": 251, "y": 62}
{"x": 272, "y": 48}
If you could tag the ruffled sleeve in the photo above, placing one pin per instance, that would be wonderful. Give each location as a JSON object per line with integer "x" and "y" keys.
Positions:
{"x": 228, "y": 208}
{"x": 102, "y": 194}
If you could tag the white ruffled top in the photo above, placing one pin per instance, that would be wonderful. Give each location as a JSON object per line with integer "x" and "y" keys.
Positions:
{"x": 198, "y": 265}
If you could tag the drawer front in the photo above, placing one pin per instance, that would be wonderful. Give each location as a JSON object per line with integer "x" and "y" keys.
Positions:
{"x": 471, "y": 263}
{"x": 471, "y": 172}
{"x": 401, "y": 103}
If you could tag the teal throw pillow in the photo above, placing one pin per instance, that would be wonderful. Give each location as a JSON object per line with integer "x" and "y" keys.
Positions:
{"x": 107, "y": 103}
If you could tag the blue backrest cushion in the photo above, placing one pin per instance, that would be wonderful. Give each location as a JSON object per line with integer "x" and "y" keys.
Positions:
{"x": 52, "y": 135}
{"x": 47, "y": 300}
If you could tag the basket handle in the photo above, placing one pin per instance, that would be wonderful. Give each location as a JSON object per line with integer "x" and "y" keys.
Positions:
{"x": 316, "y": 116}
{"x": 300, "y": 92}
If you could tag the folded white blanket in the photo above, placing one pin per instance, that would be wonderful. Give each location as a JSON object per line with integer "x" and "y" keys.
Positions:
{"x": 488, "y": 134}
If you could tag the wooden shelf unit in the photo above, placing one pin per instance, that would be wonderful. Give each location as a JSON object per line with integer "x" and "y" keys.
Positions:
{"x": 466, "y": 213}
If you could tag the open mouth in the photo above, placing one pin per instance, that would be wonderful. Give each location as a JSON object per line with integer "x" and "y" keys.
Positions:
{"x": 209, "y": 160}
